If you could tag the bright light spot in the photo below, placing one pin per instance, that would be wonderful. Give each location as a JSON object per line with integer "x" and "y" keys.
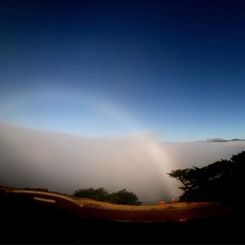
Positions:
{"x": 182, "y": 220}
{"x": 44, "y": 200}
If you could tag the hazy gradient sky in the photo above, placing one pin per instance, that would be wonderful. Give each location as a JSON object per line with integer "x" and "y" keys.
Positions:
{"x": 106, "y": 68}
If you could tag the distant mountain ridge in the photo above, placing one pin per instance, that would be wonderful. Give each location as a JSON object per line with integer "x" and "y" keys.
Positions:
{"x": 223, "y": 140}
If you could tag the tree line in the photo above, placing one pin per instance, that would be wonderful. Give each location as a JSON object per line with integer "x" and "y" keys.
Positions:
{"x": 101, "y": 194}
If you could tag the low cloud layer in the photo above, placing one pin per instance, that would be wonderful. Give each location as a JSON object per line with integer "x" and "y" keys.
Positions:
{"x": 64, "y": 163}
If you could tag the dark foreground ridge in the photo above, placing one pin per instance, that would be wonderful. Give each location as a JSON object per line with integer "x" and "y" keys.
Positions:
{"x": 41, "y": 217}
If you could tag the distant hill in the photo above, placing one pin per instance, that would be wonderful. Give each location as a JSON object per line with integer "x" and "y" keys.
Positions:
{"x": 223, "y": 140}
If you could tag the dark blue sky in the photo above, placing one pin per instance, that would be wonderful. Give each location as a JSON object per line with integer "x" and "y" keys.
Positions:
{"x": 106, "y": 68}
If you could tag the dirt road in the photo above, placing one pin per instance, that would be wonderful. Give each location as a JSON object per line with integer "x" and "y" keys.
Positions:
{"x": 179, "y": 211}
{"x": 36, "y": 216}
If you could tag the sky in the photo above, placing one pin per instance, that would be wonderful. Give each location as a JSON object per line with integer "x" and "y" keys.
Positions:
{"x": 114, "y": 68}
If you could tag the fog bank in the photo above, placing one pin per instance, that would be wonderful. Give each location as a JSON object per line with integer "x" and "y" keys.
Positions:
{"x": 139, "y": 163}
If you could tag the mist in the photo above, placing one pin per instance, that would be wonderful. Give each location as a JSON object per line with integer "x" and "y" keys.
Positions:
{"x": 64, "y": 163}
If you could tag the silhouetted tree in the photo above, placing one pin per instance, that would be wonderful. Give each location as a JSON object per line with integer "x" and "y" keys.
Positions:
{"x": 99, "y": 194}
{"x": 124, "y": 197}
{"x": 219, "y": 181}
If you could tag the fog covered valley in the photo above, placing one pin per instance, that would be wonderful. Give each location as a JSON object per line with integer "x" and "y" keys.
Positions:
{"x": 139, "y": 163}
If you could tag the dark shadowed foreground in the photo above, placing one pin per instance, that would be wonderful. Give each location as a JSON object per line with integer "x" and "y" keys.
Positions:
{"x": 29, "y": 216}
